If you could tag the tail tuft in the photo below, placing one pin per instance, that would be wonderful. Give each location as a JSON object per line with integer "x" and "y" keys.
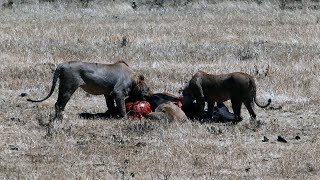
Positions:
{"x": 30, "y": 100}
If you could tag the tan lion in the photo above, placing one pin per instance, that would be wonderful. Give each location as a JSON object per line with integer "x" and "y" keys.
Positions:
{"x": 203, "y": 87}
{"x": 115, "y": 81}
{"x": 168, "y": 111}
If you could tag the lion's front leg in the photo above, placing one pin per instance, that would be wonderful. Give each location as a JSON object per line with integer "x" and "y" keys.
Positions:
{"x": 200, "y": 107}
{"x": 236, "y": 107}
{"x": 210, "y": 108}
{"x": 110, "y": 104}
{"x": 120, "y": 102}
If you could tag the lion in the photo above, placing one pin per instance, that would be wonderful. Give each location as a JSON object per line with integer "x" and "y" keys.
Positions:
{"x": 168, "y": 111}
{"x": 237, "y": 86}
{"x": 115, "y": 81}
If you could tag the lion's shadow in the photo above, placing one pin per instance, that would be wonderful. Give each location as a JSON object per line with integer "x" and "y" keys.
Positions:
{"x": 97, "y": 116}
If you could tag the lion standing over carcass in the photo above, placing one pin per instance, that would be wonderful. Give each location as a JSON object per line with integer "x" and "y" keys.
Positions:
{"x": 115, "y": 81}
{"x": 204, "y": 87}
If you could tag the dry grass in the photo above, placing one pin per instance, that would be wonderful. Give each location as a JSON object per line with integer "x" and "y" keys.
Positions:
{"x": 168, "y": 45}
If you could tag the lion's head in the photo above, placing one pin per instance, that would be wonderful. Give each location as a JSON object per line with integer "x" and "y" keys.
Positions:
{"x": 140, "y": 91}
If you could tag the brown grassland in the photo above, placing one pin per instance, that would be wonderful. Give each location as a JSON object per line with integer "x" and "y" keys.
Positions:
{"x": 279, "y": 47}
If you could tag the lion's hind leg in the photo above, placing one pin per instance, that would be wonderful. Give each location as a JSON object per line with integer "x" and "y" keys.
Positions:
{"x": 253, "y": 120}
{"x": 66, "y": 90}
{"x": 249, "y": 106}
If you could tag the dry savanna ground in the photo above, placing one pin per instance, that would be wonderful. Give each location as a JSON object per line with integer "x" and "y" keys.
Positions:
{"x": 279, "y": 47}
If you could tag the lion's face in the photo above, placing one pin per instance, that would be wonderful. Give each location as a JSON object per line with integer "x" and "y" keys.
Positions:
{"x": 144, "y": 90}
{"x": 140, "y": 92}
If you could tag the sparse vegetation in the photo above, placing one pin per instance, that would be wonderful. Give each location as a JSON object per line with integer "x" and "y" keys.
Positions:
{"x": 278, "y": 46}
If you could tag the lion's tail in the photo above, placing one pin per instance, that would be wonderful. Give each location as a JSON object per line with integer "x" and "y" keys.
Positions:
{"x": 255, "y": 95}
{"x": 54, "y": 82}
